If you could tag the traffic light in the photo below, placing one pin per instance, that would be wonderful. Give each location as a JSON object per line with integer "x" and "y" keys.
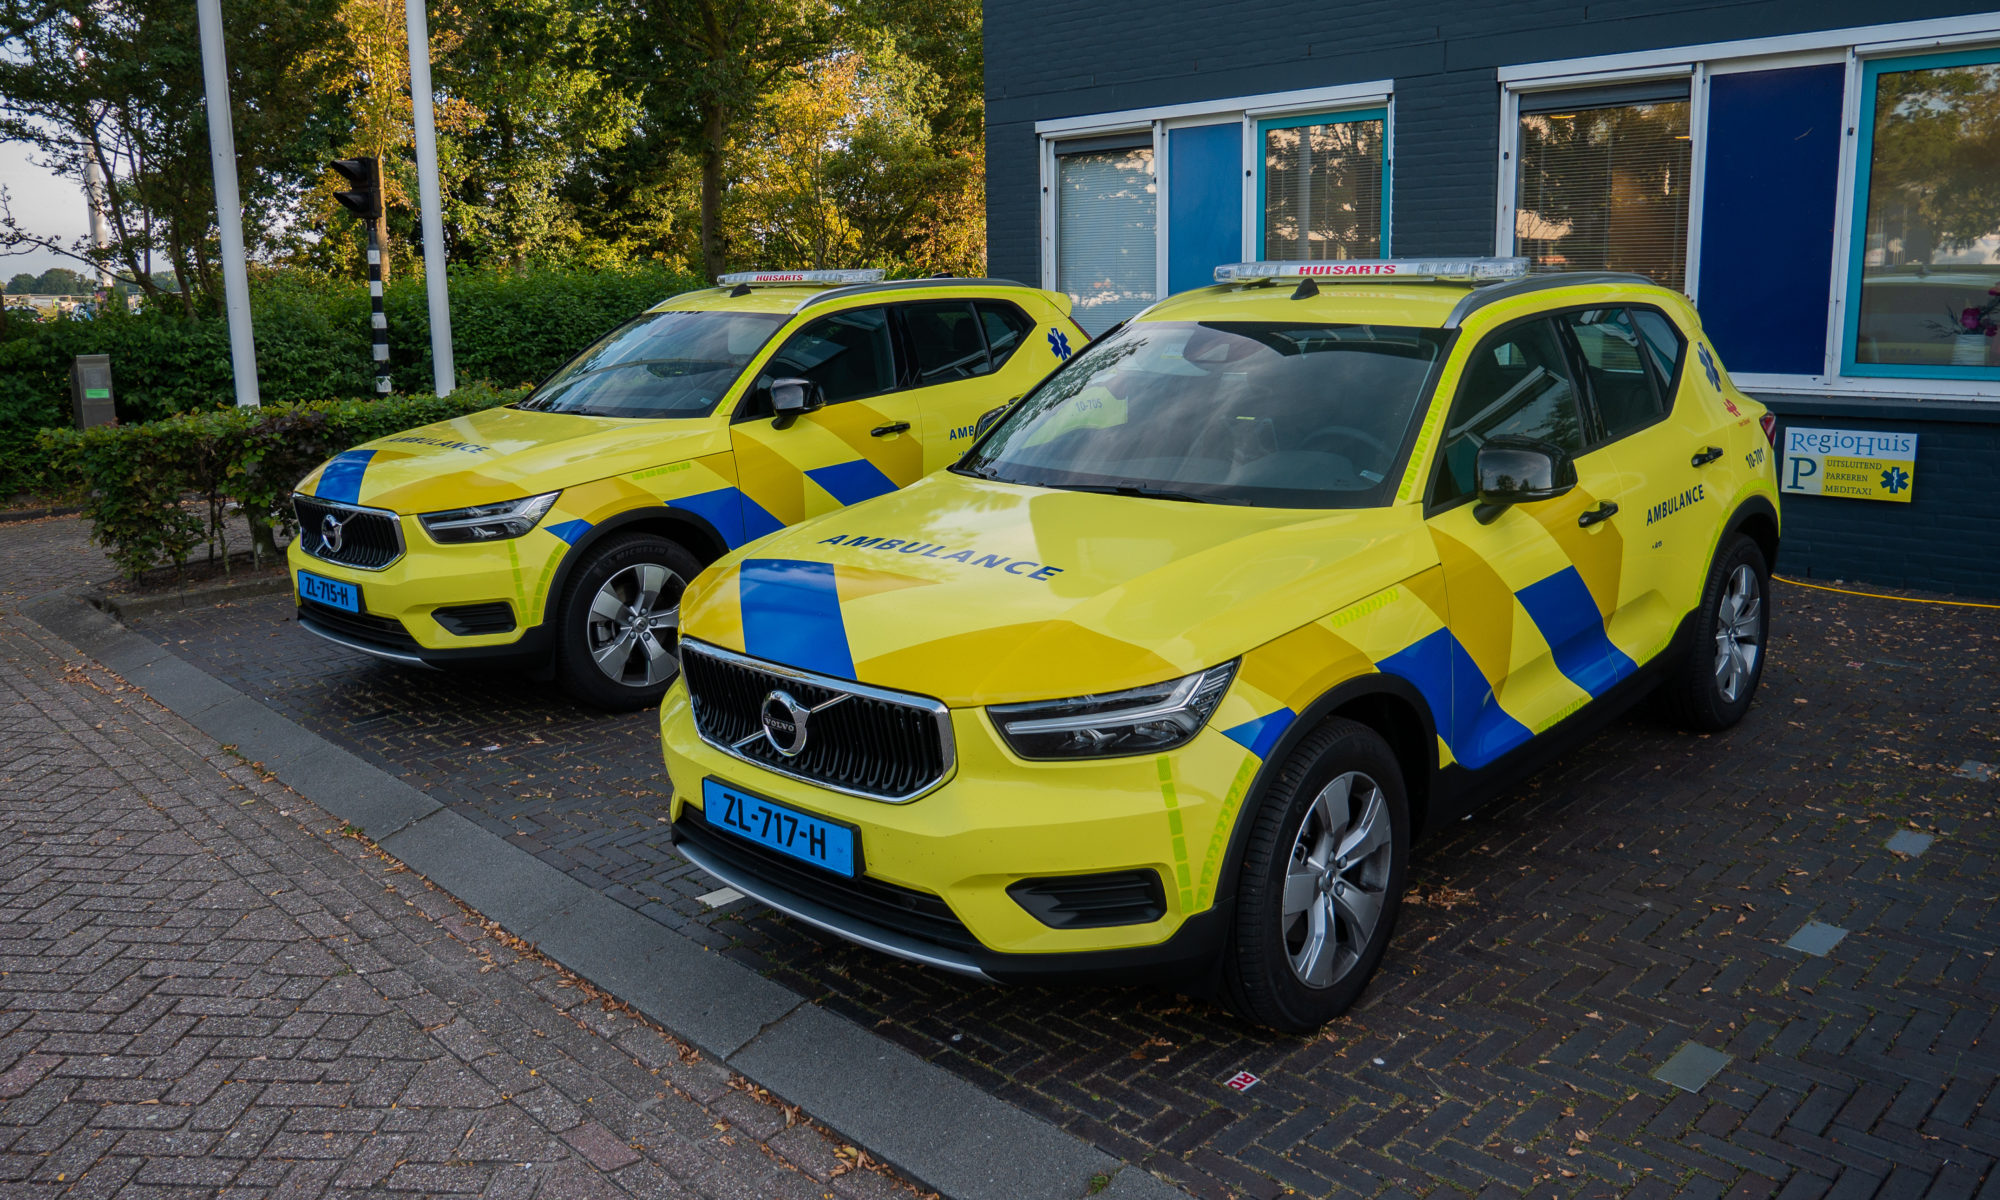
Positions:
{"x": 365, "y": 201}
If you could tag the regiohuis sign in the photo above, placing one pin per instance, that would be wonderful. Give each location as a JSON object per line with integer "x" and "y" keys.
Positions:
{"x": 1860, "y": 464}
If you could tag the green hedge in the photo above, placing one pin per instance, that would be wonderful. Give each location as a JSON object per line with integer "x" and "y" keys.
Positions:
{"x": 156, "y": 492}
{"x": 313, "y": 343}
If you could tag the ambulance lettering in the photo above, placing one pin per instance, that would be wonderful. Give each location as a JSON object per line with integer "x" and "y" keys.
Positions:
{"x": 1673, "y": 504}
{"x": 1024, "y": 567}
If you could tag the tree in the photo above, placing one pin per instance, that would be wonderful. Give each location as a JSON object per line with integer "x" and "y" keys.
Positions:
{"x": 23, "y": 284}
{"x": 120, "y": 81}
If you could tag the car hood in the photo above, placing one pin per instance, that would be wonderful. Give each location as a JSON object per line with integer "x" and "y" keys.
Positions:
{"x": 502, "y": 454}
{"x": 984, "y": 593}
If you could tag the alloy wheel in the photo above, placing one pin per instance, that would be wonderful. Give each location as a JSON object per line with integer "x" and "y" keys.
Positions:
{"x": 1336, "y": 880}
{"x": 635, "y": 620}
{"x": 1738, "y": 633}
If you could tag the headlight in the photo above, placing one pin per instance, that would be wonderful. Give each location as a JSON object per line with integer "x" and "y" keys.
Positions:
{"x": 1141, "y": 720}
{"x": 487, "y": 522}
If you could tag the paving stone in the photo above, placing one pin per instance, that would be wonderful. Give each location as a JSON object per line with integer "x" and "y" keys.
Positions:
{"x": 1692, "y": 1066}
{"x": 186, "y": 1008}
{"x": 1816, "y": 938}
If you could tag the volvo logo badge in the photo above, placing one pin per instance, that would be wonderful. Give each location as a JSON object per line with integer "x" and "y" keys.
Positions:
{"x": 785, "y": 723}
{"x": 332, "y": 531}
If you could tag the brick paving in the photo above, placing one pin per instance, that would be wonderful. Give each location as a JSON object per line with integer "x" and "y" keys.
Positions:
{"x": 1560, "y": 947}
{"x": 207, "y": 990}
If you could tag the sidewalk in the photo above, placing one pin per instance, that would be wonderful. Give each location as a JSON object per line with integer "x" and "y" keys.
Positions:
{"x": 206, "y": 989}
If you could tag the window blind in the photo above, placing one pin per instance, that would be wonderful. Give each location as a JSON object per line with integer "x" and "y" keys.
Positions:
{"x": 1323, "y": 191}
{"x": 1106, "y": 214}
{"x": 1606, "y": 189}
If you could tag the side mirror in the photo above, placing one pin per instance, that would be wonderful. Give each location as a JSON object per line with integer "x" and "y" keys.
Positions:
{"x": 792, "y": 399}
{"x": 1520, "y": 470}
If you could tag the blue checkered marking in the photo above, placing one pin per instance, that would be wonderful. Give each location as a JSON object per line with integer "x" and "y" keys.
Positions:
{"x": 852, "y": 482}
{"x": 1260, "y": 736}
{"x": 341, "y": 480}
{"x": 1468, "y": 714}
{"x": 569, "y": 531}
{"x": 791, "y": 615}
{"x": 1567, "y": 617}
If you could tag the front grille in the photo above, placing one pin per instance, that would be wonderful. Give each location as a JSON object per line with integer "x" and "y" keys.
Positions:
{"x": 362, "y": 627}
{"x": 471, "y": 620}
{"x": 868, "y": 742}
{"x": 902, "y": 909}
{"x": 1093, "y": 901}
{"x": 370, "y": 538}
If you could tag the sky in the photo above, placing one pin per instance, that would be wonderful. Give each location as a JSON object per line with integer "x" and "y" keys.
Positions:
{"x": 45, "y": 204}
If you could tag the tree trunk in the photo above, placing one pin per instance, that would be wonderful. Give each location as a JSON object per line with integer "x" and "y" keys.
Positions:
{"x": 181, "y": 274}
{"x": 714, "y": 140}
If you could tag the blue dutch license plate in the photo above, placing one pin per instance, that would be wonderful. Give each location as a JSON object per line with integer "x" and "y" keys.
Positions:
{"x": 331, "y": 592}
{"x": 824, "y": 844}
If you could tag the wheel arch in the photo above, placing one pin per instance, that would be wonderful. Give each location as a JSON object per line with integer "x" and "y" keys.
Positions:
{"x": 700, "y": 538}
{"x": 1757, "y": 519}
{"x": 1389, "y": 705}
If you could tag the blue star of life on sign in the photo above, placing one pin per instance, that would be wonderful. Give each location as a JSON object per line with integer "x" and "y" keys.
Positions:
{"x": 1895, "y": 479}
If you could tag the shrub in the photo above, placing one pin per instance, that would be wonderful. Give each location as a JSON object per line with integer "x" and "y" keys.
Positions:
{"x": 509, "y": 328}
{"x": 134, "y": 481}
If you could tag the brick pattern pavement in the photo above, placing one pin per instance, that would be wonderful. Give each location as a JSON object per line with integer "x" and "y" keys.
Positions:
{"x": 206, "y": 990}
{"x": 1561, "y": 946}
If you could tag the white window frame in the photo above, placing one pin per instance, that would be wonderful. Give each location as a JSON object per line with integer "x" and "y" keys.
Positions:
{"x": 1160, "y": 120}
{"x": 1700, "y": 63}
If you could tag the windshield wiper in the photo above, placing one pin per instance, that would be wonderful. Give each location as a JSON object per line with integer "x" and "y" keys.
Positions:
{"x": 1132, "y": 489}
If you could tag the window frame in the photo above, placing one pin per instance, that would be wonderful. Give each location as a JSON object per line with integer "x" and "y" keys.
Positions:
{"x": 1063, "y": 135}
{"x": 999, "y": 363}
{"x": 1848, "y": 329}
{"x": 1858, "y": 49}
{"x": 911, "y": 371}
{"x": 902, "y": 360}
{"x": 1665, "y": 392}
{"x": 1300, "y": 120}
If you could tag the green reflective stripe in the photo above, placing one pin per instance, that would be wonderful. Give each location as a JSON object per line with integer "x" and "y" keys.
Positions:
{"x": 1181, "y": 875}
{"x": 1225, "y": 822}
{"x": 520, "y": 581}
{"x": 542, "y": 585}
{"x": 1412, "y": 475}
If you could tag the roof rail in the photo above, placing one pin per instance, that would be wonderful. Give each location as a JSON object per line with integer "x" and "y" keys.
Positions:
{"x": 897, "y": 285}
{"x": 1479, "y": 298}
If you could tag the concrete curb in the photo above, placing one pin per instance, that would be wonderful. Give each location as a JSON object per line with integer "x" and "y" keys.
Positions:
{"x": 932, "y": 1126}
{"x": 127, "y": 608}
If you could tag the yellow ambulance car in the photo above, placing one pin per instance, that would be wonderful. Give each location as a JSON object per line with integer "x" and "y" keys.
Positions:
{"x": 560, "y": 531}
{"x": 1163, "y": 677}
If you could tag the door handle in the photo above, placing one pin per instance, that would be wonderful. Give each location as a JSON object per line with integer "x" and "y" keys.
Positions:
{"x": 903, "y": 427}
{"x": 1704, "y": 457}
{"x": 1602, "y": 512}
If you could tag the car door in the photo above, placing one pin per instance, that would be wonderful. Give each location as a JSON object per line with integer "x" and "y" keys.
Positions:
{"x": 958, "y": 349}
{"x": 862, "y": 443}
{"x": 1671, "y": 452}
{"x": 1529, "y": 588}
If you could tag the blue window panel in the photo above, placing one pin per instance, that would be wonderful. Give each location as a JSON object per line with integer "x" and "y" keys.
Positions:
{"x": 1366, "y": 114}
{"x": 1768, "y": 212}
{"x": 1204, "y": 203}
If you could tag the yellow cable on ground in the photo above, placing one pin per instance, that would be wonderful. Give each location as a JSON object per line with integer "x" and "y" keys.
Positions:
{"x": 1820, "y": 587}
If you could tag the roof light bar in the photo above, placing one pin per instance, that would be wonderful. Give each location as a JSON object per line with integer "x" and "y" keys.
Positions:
{"x": 1363, "y": 270}
{"x": 818, "y": 278}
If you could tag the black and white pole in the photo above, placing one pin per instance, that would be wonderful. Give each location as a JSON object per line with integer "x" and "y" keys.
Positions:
{"x": 377, "y": 317}
{"x": 365, "y": 201}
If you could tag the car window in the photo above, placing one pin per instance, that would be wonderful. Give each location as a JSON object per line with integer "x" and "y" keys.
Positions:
{"x": 946, "y": 340}
{"x": 1274, "y": 414}
{"x": 1665, "y": 344}
{"x": 1621, "y": 386}
{"x": 848, "y": 354}
{"x": 1006, "y": 329}
{"x": 1516, "y": 382}
{"x": 659, "y": 364}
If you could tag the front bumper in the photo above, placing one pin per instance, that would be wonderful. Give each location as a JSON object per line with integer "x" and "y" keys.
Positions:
{"x": 938, "y": 868}
{"x": 400, "y": 601}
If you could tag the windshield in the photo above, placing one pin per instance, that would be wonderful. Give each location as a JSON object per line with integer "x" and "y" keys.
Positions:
{"x": 666, "y": 364}
{"x": 1228, "y": 412}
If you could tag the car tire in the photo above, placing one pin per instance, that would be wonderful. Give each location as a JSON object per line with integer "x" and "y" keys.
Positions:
{"x": 618, "y": 627}
{"x": 1718, "y": 677}
{"x": 1301, "y": 952}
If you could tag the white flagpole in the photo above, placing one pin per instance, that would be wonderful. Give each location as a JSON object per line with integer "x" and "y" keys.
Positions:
{"x": 442, "y": 373}
{"x": 228, "y": 204}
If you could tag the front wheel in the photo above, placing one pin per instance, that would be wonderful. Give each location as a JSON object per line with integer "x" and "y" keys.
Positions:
{"x": 1714, "y": 684}
{"x": 1322, "y": 881}
{"x": 618, "y": 632}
